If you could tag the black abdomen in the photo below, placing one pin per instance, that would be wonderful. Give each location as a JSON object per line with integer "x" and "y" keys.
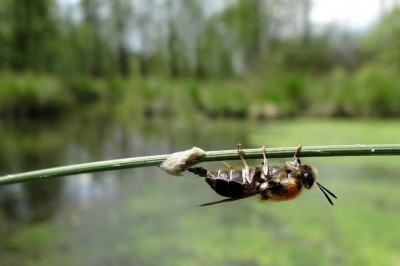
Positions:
{"x": 226, "y": 188}
{"x": 228, "y": 183}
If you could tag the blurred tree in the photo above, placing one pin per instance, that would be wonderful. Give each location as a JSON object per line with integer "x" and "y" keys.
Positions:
{"x": 173, "y": 43}
{"x": 121, "y": 12}
{"x": 195, "y": 22}
{"x": 101, "y": 38}
{"x": 144, "y": 35}
{"x": 214, "y": 49}
{"x": 244, "y": 22}
{"x": 382, "y": 42}
{"x": 4, "y": 33}
{"x": 90, "y": 39}
{"x": 32, "y": 29}
{"x": 185, "y": 23}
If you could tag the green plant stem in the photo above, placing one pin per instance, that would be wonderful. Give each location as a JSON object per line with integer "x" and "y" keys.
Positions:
{"x": 309, "y": 151}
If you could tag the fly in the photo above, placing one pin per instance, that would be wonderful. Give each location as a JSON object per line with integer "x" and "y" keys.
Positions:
{"x": 271, "y": 183}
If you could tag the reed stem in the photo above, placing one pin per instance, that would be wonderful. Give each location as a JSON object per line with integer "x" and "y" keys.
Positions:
{"x": 145, "y": 161}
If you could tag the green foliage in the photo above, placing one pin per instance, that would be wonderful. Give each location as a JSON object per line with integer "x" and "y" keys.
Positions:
{"x": 244, "y": 22}
{"x": 32, "y": 241}
{"x": 377, "y": 90}
{"x": 85, "y": 90}
{"x": 214, "y": 58}
{"x": 234, "y": 62}
{"x": 32, "y": 29}
{"x": 381, "y": 43}
{"x": 31, "y": 95}
{"x": 315, "y": 55}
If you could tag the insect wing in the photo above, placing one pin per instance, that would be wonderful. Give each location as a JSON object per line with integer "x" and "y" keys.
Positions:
{"x": 226, "y": 200}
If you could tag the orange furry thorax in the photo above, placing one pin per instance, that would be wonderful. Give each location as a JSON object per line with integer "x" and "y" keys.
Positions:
{"x": 292, "y": 190}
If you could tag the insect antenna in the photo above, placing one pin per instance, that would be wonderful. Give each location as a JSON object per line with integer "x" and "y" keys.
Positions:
{"x": 323, "y": 189}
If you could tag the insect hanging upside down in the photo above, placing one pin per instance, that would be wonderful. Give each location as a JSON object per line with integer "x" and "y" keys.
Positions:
{"x": 272, "y": 183}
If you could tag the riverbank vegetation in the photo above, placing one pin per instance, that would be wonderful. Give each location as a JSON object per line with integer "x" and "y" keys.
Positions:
{"x": 370, "y": 92}
{"x": 235, "y": 61}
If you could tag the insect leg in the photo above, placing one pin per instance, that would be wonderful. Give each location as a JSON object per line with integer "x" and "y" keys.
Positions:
{"x": 241, "y": 156}
{"x": 200, "y": 171}
{"x": 227, "y": 165}
{"x": 246, "y": 174}
{"x": 296, "y": 157}
{"x": 264, "y": 162}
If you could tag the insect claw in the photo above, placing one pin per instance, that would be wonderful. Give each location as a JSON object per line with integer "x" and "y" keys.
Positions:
{"x": 227, "y": 165}
{"x": 296, "y": 157}
{"x": 264, "y": 162}
{"x": 240, "y": 155}
{"x": 246, "y": 175}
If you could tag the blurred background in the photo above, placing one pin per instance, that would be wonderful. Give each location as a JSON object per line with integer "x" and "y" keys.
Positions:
{"x": 89, "y": 80}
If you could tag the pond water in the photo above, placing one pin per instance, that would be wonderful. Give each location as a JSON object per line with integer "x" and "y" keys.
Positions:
{"x": 146, "y": 217}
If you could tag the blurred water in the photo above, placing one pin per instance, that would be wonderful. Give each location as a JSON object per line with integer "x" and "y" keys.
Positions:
{"x": 146, "y": 217}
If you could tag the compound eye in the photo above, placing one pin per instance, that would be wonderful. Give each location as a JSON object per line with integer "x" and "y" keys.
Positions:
{"x": 308, "y": 179}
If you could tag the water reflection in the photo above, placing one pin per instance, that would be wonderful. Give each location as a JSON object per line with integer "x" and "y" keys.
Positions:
{"x": 144, "y": 216}
{"x": 87, "y": 139}
{"x": 13, "y": 203}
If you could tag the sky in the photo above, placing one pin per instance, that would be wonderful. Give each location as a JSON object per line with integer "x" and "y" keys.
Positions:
{"x": 355, "y": 14}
